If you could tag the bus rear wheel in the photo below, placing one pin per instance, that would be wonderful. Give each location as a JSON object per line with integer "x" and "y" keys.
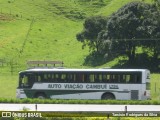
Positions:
{"x": 108, "y": 96}
{"x": 40, "y": 96}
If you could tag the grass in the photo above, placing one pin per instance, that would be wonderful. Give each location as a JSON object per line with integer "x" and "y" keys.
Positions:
{"x": 46, "y": 30}
{"x": 108, "y": 9}
{"x": 155, "y": 86}
{"x": 8, "y": 85}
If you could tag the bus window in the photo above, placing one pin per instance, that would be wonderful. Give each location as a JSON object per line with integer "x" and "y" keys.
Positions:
{"x": 112, "y": 78}
{"x": 24, "y": 81}
{"x": 91, "y": 77}
{"x": 39, "y": 78}
{"x": 49, "y": 77}
{"x": 108, "y": 78}
{"x": 127, "y": 78}
{"x": 118, "y": 78}
{"x": 53, "y": 77}
{"x": 45, "y": 78}
{"x": 86, "y": 78}
{"x": 100, "y": 77}
{"x": 56, "y": 77}
{"x": 80, "y": 78}
{"x": 63, "y": 77}
{"x": 97, "y": 79}
{"x": 115, "y": 78}
{"x": 74, "y": 77}
{"x": 137, "y": 79}
{"x": 104, "y": 78}
{"x": 70, "y": 78}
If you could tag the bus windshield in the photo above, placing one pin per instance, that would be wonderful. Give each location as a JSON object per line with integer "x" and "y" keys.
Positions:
{"x": 26, "y": 80}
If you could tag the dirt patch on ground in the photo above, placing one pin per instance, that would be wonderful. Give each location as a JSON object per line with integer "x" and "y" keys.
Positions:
{"x": 6, "y": 17}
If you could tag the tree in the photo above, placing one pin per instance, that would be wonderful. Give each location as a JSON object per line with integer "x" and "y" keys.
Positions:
{"x": 151, "y": 27}
{"x": 89, "y": 35}
{"x": 129, "y": 26}
{"x": 157, "y": 2}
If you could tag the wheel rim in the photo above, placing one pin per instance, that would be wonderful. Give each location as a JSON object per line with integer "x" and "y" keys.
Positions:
{"x": 108, "y": 97}
{"x": 41, "y": 97}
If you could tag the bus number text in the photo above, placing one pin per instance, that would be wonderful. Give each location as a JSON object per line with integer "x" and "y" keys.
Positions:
{"x": 113, "y": 87}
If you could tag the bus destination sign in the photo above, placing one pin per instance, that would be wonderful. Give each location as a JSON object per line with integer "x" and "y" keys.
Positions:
{"x": 78, "y": 86}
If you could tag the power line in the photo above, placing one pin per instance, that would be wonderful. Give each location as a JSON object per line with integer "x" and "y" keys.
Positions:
{"x": 137, "y": 39}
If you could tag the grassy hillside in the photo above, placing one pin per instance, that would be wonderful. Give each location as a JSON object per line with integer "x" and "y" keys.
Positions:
{"x": 46, "y": 29}
{"x": 114, "y": 5}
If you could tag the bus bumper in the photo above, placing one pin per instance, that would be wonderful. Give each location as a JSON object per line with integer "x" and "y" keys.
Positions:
{"x": 20, "y": 93}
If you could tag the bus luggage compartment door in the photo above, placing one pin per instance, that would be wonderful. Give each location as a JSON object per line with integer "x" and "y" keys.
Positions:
{"x": 134, "y": 94}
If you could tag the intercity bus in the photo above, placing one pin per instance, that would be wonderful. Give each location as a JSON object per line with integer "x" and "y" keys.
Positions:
{"x": 119, "y": 84}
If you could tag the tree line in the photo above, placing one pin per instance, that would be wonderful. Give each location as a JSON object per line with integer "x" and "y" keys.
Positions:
{"x": 134, "y": 26}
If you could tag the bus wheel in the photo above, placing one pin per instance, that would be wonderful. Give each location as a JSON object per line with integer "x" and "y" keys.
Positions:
{"x": 108, "y": 96}
{"x": 40, "y": 95}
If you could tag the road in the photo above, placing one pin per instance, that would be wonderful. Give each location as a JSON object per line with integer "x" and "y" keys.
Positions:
{"x": 79, "y": 107}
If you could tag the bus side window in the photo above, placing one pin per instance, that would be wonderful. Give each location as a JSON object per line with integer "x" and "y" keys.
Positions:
{"x": 128, "y": 78}
{"x": 70, "y": 78}
{"x": 49, "y": 77}
{"x": 91, "y": 77}
{"x": 45, "y": 78}
{"x": 56, "y": 77}
{"x": 112, "y": 77}
{"x": 97, "y": 80}
{"x": 104, "y": 78}
{"x": 137, "y": 79}
{"x": 133, "y": 78}
{"x": 86, "y": 78}
{"x": 79, "y": 78}
{"x": 63, "y": 77}
{"x": 52, "y": 78}
{"x": 39, "y": 78}
{"x": 83, "y": 75}
{"x": 74, "y": 77}
{"x": 108, "y": 78}
{"x": 115, "y": 78}
{"x": 123, "y": 79}
{"x": 100, "y": 77}
{"x": 118, "y": 78}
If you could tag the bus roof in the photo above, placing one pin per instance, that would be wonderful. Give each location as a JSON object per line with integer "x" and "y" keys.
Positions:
{"x": 82, "y": 70}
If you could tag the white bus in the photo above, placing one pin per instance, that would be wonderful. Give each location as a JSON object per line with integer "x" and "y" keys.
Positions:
{"x": 120, "y": 84}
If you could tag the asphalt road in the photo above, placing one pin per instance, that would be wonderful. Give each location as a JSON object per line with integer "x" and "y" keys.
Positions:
{"x": 79, "y": 107}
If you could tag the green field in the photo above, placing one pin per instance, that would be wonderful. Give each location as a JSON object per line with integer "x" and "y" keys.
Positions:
{"x": 155, "y": 86}
{"x": 46, "y": 30}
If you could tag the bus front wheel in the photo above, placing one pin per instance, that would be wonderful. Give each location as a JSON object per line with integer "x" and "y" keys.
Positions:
{"x": 108, "y": 96}
{"x": 40, "y": 96}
